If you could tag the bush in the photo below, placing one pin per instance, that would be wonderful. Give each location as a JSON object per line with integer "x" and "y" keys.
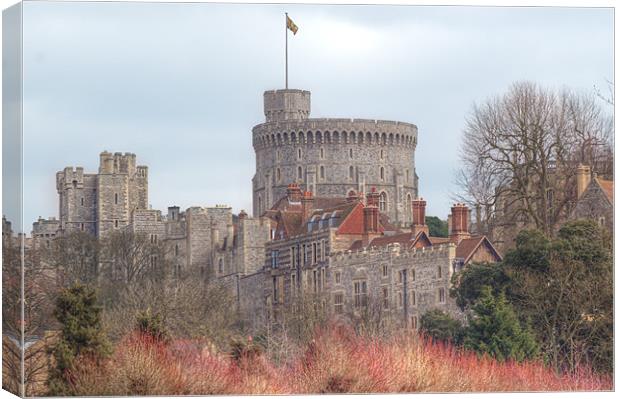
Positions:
{"x": 441, "y": 327}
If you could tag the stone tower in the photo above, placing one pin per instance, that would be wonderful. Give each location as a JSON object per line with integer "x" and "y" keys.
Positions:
{"x": 98, "y": 203}
{"x": 332, "y": 157}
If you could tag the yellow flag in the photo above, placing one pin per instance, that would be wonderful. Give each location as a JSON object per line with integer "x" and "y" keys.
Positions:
{"x": 291, "y": 25}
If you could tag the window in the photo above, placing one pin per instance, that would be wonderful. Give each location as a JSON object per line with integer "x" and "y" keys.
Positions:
{"x": 386, "y": 297}
{"x": 407, "y": 173}
{"x": 381, "y": 154}
{"x": 314, "y": 252}
{"x": 299, "y": 172}
{"x": 220, "y": 265}
{"x": 274, "y": 259}
{"x": 82, "y": 201}
{"x": 322, "y": 153}
{"x": 153, "y": 262}
{"x": 322, "y": 172}
{"x": 414, "y": 322}
{"x": 360, "y": 292}
{"x": 82, "y": 226}
{"x": 438, "y": 271}
{"x": 385, "y": 270}
{"x": 275, "y": 289}
{"x": 115, "y": 199}
{"x": 293, "y": 281}
{"x": 176, "y": 249}
{"x": 293, "y": 257}
{"x": 351, "y": 153}
{"x": 383, "y": 202}
{"x": 413, "y": 275}
{"x": 314, "y": 281}
{"x": 382, "y": 173}
{"x": 299, "y": 153}
{"x": 278, "y": 177}
{"x": 323, "y": 250}
{"x": 116, "y": 224}
{"x": 338, "y": 303}
{"x": 305, "y": 254}
{"x": 153, "y": 238}
{"x": 442, "y": 295}
{"x": 337, "y": 277}
{"x": 412, "y": 300}
{"x": 351, "y": 172}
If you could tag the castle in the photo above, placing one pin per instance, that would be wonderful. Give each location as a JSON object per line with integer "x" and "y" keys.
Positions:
{"x": 336, "y": 213}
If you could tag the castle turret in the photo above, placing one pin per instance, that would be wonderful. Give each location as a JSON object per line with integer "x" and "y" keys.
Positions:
{"x": 286, "y": 104}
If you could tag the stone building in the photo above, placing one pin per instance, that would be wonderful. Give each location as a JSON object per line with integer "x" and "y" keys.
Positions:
{"x": 595, "y": 198}
{"x": 346, "y": 257}
{"x": 331, "y": 157}
{"x": 100, "y": 202}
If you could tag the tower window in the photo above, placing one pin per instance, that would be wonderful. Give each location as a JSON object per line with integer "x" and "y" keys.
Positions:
{"x": 322, "y": 153}
{"x": 115, "y": 199}
{"x": 278, "y": 174}
{"x": 299, "y": 153}
{"x": 383, "y": 202}
{"x": 176, "y": 250}
{"x": 322, "y": 174}
{"x": 351, "y": 153}
{"x": 382, "y": 172}
{"x": 82, "y": 201}
{"x": 299, "y": 172}
{"x": 381, "y": 154}
{"x": 351, "y": 172}
{"x": 116, "y": 224}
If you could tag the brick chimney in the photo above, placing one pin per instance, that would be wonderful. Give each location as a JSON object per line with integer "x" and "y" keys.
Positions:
{"x": 307, "y": 205}
{"x": 459, "y": 228}
{"x": 352, "y": 196}
{"x": 372, "y": 198}
{"x": 418, "y": 213}
{"x": 293, "y": 192}
{"x": 583, "y": 179}
{"x": 371, "y": 223}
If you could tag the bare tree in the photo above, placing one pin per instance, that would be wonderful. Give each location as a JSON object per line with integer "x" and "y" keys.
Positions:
{"x": 520, "y": 153}
{"x": 74, "y": 258}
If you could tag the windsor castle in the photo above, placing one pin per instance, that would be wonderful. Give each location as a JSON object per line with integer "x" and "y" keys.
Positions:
{"x": 336, "y": 212}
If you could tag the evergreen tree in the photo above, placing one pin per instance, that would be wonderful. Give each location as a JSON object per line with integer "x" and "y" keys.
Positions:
{"x": 81, "y": 333}
{"x": 153, "y": 325}
{"x": 436, "y": 226}
{"x": 441, "y": 327}
{"x": 494, "y": 329}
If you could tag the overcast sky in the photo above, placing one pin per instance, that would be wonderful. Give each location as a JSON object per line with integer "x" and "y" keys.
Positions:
{"x": 181, "y": 85}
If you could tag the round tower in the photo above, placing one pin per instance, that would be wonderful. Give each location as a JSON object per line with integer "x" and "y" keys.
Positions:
{"x": 331, "y": 157}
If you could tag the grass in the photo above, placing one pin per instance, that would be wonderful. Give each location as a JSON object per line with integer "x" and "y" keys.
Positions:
{"x": 335, "y": 361}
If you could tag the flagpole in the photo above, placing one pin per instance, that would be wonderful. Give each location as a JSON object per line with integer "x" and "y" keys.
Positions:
{"x": 286, "y": 50}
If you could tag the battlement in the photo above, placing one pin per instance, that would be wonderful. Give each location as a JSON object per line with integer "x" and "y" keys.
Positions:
{"x": 70, "y": 177}
{"x": 443, "y": 250}
{"x": 118, "y": 162}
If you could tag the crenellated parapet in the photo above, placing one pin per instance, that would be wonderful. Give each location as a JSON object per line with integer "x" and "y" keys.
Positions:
{"x": 334, "y": 131}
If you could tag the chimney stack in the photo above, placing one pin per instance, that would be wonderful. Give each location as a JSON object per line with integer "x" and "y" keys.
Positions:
{"x": 372, "y": 198}
{"x": 418, "y": 213}
{"x": 352, "y": 196}
{"x": 293, "y": 192}
{"x": 459, "y": 222}
{"x": 242, "y": 215}
{"x": 307, "y": 205}
{"x": 583, "y": 179}
{"x": 371, "y": 224}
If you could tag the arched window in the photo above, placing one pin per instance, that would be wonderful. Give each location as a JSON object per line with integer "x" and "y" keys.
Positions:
{"x": 382, "y": 172}
{"x": 351, "y": 153}
{"x": 383, "y": 202}
{"x": 299, "y": 153}
{"x": 351, "y": 172}
{"x": 299, "y": 172}
{"x": 381, "y": 154}
{"x": 322, "y": 173}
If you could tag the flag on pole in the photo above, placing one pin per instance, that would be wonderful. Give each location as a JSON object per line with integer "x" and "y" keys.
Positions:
{"x": 291, "y": 25}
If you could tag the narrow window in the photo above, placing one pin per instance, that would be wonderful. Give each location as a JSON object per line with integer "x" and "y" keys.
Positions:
{"x": 386, "y": 297}
{"x": 337, "y": 277}
{"x": 292, "y": 257}
{"x": 382, "y": 171}
{"x": 176, "y": 250}
{"x": 82, "y": 201}
{"x": 351, "y": 153}
{"x": 278, "y": 177}
{"x": 299, "y": 153}
{"x": 220, "y": 266}
{"x": 360, "y": 294}
{"x": 413, "y": 275}
{"x": 381, "y": 154}
{"x": 116, "y": 223}
{"x": 351, "y": 172}
{"x": 442, "y": 295}
{"x": 385, "y": 270}
{"x": 116, "y": 199}
{"x": 322, "y": 153}
{"x": 82, "y": 226}
{"x": 299, "y": 172}
{"x": 438, "y": 271}
{"x": 383, "y": 202}
{"x": 322, "y": 172}
{"x": 338, "y": 303}
{"x": 414, "y": 322}
{"x": 413, "y": 298}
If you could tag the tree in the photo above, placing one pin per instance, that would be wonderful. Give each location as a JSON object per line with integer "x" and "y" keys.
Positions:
{"x": 468, "y": 284}
{"x": 436, "y": 226}
{"x": 81, "y": 334}
{"x": 520, "y": 154}
{"x": 570, "y": 302}
{"x": 441, "y": 327}
{"x": 74, "y": 257}
{"x": 495, "y": 329}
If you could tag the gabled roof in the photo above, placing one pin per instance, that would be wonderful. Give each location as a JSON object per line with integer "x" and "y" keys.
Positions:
{"x": 468, "y": 247}
{"x": 607, "y": 186}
